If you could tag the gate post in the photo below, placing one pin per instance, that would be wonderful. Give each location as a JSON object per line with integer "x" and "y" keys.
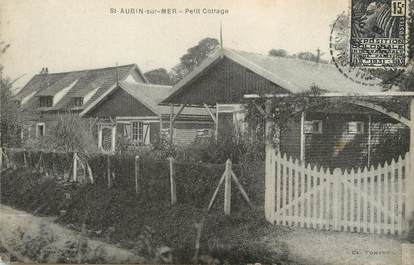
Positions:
{"x": 227, "y": 188}
{"x": 335, "y": 205}
{"x": 269, "y": 173}
{"x": 410, "y": 174}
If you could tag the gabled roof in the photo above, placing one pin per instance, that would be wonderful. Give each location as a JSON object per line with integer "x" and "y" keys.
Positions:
{"x": 294, "y": 75}
{"x": 150, "y": 95}
{"x": 82, "y": 82}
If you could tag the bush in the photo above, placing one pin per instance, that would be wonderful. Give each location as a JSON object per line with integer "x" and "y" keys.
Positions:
{"x": 238, "y": 150}
{"x": 71, "y": 134}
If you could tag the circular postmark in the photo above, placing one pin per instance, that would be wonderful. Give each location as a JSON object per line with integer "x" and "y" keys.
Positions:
{"x": 340, "y": 43}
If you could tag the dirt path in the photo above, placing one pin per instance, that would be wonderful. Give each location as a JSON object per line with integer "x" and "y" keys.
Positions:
{"x": 312, "y": 247}
{"x": 33, "y": 239}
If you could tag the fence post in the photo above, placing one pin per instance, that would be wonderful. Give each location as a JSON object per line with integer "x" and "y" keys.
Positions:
{"x": 227, "y": 188}
{"x": 410, "y": 174}
{"x": 172, "y": 181}
{"x": 75, "y": 167}
{"x": 108, "y": 164}
{"x": 25, "y": 158}
{"x": 1, "y": 159}
{"x": 137, "y": 174}
{"x": 271, "y": 150}
{"x": 336, "y": 178}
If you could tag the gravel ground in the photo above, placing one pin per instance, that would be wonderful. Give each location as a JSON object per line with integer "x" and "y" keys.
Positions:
{"x": 311, "y": 247}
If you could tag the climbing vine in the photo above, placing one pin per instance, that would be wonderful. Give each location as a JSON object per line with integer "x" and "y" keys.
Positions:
{"x": 283, "y": 109}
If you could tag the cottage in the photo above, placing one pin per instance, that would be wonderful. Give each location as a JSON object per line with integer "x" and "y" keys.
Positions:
{"x": 341, "y": 134}
{"x": 48, "y": 95}
{"x": 344, "y": 165}
{"x": 129, "y": 113}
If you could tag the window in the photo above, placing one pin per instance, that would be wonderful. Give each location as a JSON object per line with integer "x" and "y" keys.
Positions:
{"x": 203, "y": 133}
{"x": 140, "y": 132}
{"x": 314, "y": 127}
{"x": 355, "y": 127}
{"x": 137, "y": 131}
{"x": 40, "y": 129}
{"x": 46, "y": 101}
{"x": 78, "y": 101}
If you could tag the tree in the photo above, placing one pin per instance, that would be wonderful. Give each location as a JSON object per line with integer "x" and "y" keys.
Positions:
{"x": 194, "y": 57}
{"x": 10, "y": 120}
{"x": 278, "y": 53}
{"x": 308, "y": 56}
{"x": 9, "y": 109}
{"x": 158, "y": 76}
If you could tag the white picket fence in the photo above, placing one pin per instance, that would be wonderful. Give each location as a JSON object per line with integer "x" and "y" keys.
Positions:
{"x": 367, "y": 200}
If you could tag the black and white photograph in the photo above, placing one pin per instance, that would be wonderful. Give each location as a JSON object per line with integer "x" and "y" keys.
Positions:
{"x": 207, "y": 132}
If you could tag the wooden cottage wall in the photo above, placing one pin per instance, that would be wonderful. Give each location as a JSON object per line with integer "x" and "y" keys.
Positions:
{"x": 226, "y": 126}
{"x": 290, "y": 138}
{"x": 225, "y": 82}
{"x": 185, "y": 132}
{"x": 120, "y": 103}
{"x": 335, "y": 147}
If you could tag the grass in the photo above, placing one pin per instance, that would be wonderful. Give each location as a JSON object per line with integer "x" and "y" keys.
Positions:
{"x": 122, "y": 218}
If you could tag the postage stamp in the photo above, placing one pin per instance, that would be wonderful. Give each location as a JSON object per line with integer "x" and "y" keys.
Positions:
{"x": 378, "y": 33}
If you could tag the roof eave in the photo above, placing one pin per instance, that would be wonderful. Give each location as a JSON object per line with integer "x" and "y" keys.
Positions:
{"x": 338, "y": 94}
{"x": 193, "y": 75}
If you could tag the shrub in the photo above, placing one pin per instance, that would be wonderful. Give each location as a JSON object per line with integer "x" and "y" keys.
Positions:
{"x": 71, "y": 134}
{"x": 238, "y": 150}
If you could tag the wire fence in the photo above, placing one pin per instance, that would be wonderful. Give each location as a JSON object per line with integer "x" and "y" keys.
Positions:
{"x": 145, "y": 177}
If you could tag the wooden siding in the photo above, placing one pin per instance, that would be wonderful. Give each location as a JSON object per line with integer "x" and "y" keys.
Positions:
{"x": 224, "y": 82}
{"x": 186, "y": 132}
{"x": 290, "y": 138}
{"x": 337, "y": 148}
{"x": 120, "y": 103}
{"x": 226, "y": 125}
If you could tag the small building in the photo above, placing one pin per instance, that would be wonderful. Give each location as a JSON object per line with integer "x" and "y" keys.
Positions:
{"x": 49, "y": 95}
{"x": 340, "y": 134}
{"x": 129, "y": 115}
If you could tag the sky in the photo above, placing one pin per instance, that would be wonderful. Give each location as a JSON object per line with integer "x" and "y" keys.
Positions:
{"x": 83, "y": 34}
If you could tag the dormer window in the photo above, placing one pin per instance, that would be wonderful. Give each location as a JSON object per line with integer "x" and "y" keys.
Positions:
{"x": 78, "y": 101}
{"x": 46, "y": 101}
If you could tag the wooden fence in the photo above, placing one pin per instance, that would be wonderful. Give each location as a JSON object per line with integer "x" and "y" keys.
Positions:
{"x": 370, "y": 200}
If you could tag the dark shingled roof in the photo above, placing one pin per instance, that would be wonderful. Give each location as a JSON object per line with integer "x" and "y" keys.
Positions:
{"x": 82, "y": 83}
{"x": 149, "y": 95}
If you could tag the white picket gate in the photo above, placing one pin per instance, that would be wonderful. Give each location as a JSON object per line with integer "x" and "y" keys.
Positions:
{"x": 367, "y": 200}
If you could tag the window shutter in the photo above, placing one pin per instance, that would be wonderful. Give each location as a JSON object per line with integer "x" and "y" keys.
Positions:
{"x": 127, "y": 131}
{"x": 146, "y": 138}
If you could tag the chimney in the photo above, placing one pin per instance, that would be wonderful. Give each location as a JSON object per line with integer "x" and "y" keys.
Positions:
{"x": 46, "y": 70}
{"x": 43, "y": 70}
